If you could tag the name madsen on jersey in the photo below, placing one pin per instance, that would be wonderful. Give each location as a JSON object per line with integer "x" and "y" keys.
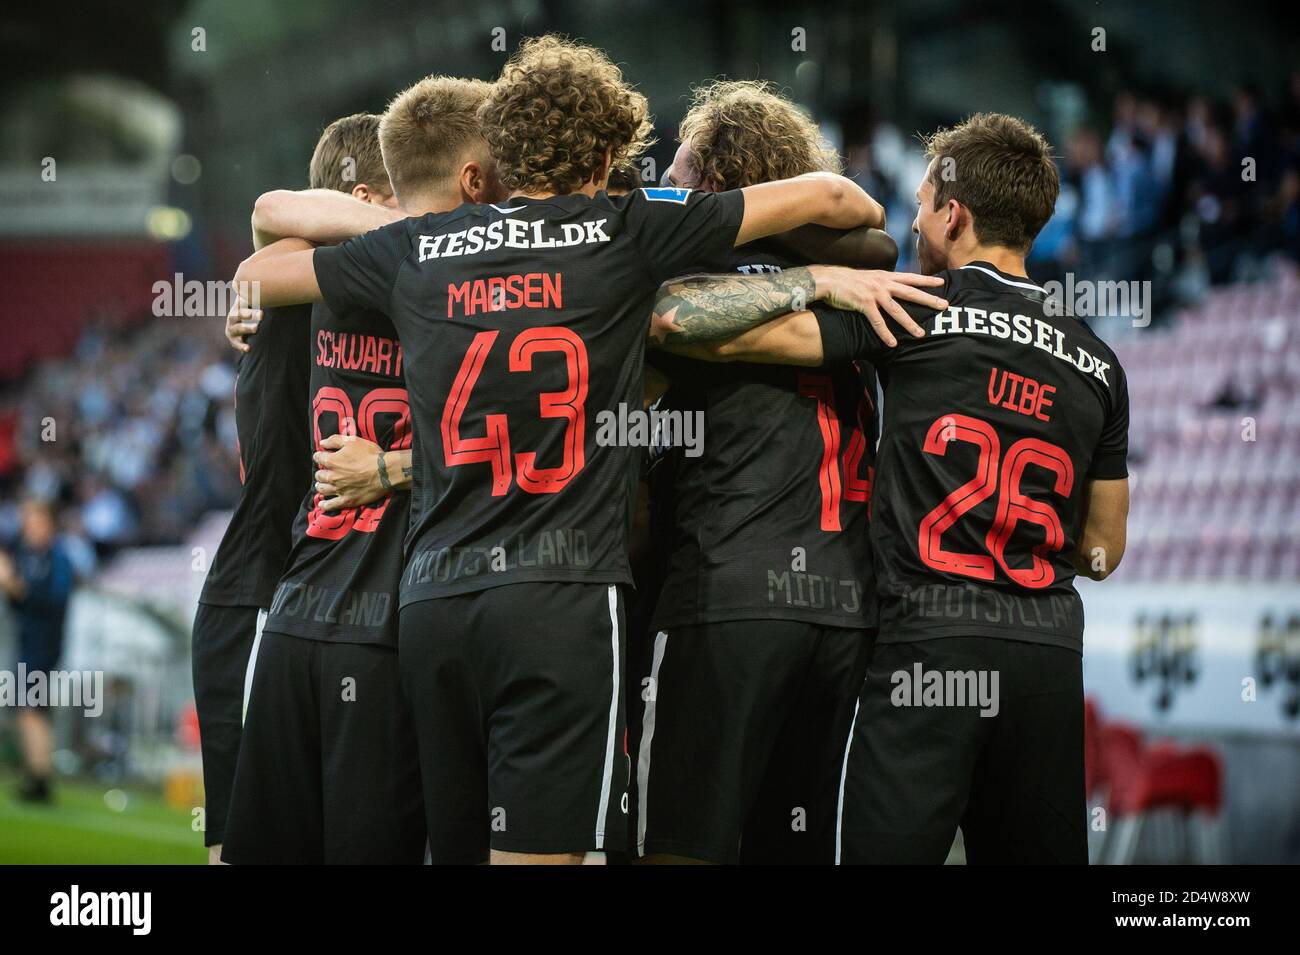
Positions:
{"x": 501, "y": 293}
{"x": 1022, "y": 329}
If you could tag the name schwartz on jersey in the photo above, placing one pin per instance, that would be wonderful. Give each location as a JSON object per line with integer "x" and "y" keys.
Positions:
{"x": 339, "y": 581}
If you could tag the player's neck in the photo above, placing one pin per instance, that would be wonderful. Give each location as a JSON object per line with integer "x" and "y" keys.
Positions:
{"x": 1001, "y": 258}
{"x": 431, "y": 201}
{"x": 588, "y": 189}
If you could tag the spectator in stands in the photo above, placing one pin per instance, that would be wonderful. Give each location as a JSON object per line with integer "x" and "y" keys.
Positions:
{"x": 37, "y": 578}
{"x": 1095, "y": 222}
{"x": 1138, "y": 190}
{"x": 1254, "y": 134}
{"x": 132, "y": 430}
{"x": 1221, "y": 203}
{"x": 1288, "y": 195}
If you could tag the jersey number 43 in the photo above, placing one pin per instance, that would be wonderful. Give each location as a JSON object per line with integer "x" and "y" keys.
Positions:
{"x": 494, "y": 447}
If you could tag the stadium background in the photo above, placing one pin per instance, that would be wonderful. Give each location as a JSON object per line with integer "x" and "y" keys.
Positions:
{"x": 164, "y": 123}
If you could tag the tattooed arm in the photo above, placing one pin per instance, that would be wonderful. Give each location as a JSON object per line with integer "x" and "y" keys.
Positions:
{"x": 704, "y": 308}
{"x": 698, "y": 314}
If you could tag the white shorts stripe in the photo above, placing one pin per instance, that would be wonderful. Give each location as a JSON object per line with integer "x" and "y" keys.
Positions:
{"x": 252, "y": 664}
{"x": 610, "y": 742}
{"x": 844, "y": 771}
{"x": 647, "y": 737}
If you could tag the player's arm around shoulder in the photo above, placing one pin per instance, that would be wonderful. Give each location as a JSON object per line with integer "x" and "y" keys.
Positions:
{"x": 245, "y": 314}
{"x": 767, "y": 318}
{"x": 282, "y": 273}
{"x": 321, "y": 216}
{"x": 819, "y": 198}
{"x": 790, "y": 339}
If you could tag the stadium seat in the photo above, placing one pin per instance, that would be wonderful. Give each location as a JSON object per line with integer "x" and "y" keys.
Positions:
{"x": 1187, "y": 781}
{"x": 1195, "y": 467}
{"x": 1091, "y": 747}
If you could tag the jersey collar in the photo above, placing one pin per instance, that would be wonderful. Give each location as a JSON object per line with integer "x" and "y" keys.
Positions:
{"x": 1018, "y": 282}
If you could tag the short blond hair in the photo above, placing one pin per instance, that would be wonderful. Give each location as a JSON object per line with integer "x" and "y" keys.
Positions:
{"x": 742, "y": 132}
{"x": 427, "y": 130}
{"x": 347, "y": 155}
{"x": 554, "y": 111}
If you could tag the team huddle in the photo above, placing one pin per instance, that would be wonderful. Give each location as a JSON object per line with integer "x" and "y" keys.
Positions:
{"x": 452, "y": 621}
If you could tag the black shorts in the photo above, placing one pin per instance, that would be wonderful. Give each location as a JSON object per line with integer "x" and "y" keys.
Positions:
{"x": 742, "y": 739}
{"x": 1012, "y": 780}
{"x": 221, "y": 647}
{"x": 517, "y": 693}
{"x": 328, "y": 771}
{"x": 39, "y": 650}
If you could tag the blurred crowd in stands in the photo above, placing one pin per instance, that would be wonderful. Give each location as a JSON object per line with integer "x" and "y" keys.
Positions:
{"x": 1180, "y": 189}
{"x": 131, "y": 437}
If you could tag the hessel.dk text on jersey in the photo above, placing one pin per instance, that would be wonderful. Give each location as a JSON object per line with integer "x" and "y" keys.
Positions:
{"x": 510, "y": 234}
{"x": 1022, "y": 329}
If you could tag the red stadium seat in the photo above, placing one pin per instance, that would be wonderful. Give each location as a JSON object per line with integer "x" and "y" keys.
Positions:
{"x": 1091, "y": 748}
{"x": 1120, "y": 761}
{"x": 103, "y": 280}
{"x": 1167, "y": 777}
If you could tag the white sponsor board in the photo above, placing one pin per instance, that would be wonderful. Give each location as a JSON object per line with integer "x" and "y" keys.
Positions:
{"x": 83, "y": 200}
{"x": 1195, "y": 657}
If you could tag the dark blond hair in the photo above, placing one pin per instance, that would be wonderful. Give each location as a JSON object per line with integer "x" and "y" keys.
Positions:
{"x": 741, "y": 132}
{"x": 428, "y": 129}
{"x": 624, "y": 177}
{"x": 555, "y": 110}
{"x": 1001, "y": 169}
{"x": 347, "y": 155}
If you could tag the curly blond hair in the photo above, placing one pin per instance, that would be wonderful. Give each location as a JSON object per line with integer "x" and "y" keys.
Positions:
{"x": 555, "y": 109}
{"x": 742, "y": 132}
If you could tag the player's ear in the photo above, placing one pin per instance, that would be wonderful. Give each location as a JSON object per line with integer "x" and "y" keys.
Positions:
{"x": 474, "y": 184}
{"x": 958, "y": 219}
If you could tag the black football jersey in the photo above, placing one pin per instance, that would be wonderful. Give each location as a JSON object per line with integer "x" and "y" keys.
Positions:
{"x": 275, "y": 466}
{"x": 993, "y": 425}
{"x": 769, "y": 518}
{"x": 341, "y": 580}
{"x": 524, "y": 327}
